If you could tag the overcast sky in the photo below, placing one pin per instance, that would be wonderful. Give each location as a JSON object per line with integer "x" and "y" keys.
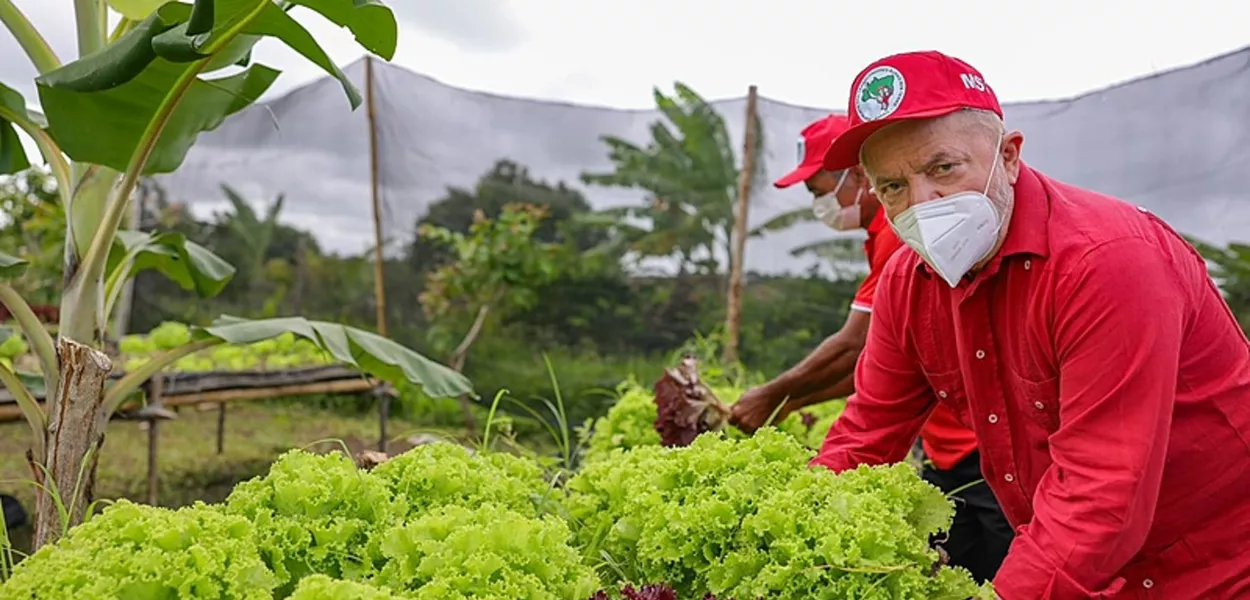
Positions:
{"x": 610, "y": 52}
{"x": 805, "y": 52}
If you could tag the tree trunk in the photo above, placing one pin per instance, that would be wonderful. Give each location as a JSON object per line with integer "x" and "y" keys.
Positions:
{"x": 457, "y": 361}
{"x": 76, "y": 423}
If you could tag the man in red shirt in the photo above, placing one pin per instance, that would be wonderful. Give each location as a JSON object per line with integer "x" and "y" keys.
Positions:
{"x": 980, "y": 535}
{"x": 1081, "y": 337}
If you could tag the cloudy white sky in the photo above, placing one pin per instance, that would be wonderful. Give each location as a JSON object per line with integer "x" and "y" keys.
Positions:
{"x": 610, "y": 52}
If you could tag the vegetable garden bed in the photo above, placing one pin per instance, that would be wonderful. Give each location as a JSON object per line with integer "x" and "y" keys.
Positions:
{"x": 738, "y": 519}
{"x": 726, "y": 517}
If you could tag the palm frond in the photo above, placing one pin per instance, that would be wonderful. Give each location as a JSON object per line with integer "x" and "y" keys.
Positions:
{"x": 785, "y": 221}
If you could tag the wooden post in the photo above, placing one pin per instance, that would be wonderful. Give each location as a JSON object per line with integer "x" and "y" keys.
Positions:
{"x": 156, "y": 387}
{"x": 153, "y": 478}
{"x": 384, "y": 417}
{"x": 221, "y": 427}
{"x": 733, "y": 312}
{"x": 379, "y": 280}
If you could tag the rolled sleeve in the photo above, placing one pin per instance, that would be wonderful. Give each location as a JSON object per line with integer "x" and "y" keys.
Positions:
{"x": 1119, "y": 325}
{"x": 867, "y": 291}
{"x": 891, "y": 402}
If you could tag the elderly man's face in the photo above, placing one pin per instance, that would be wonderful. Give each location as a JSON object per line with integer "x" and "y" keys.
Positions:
{"x": 917, "y": 161}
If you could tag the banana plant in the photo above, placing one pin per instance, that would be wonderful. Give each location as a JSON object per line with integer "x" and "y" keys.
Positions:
{"x": 131, "y": 104}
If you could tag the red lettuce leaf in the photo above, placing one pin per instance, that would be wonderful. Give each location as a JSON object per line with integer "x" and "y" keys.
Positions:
{"x": 685, "y": 407}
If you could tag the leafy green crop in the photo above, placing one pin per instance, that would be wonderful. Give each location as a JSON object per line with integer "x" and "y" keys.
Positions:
{"x": 725, "y": 517}
{"x": 285, "y": 351}
{"x": 630, "y": 422}
{"x": 485, "y": 553}
{"x": 437, "y": 475}
{"x": 749, "y": 518}
{"x": 320, "y": 587}
{"x": 136, "y": 552}
{"x": 315, "y": 514}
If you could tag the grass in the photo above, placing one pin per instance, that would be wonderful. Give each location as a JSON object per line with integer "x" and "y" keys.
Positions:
{"x": 189, "y": 467}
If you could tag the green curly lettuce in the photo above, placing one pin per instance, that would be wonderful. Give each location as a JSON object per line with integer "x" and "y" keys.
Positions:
{"x": 484, "y": 553}
{"x": 630, "y": 422}
{"x": 748, "y": 518}
{"x": 320, "y": 587}
{"x": 439, "y": 474}
{"x": 136, "y": 552}
{"x": 316, "y": 513}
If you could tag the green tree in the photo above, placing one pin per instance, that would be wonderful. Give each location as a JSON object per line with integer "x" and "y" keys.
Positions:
{"x": 498, "y": 266}
{"x": 690, "y": 174}
{"x": 505, "y": 183}
{"x": 132, "y": 105}
{"x": 33, "y": 230}
{"x": 249, "y": 233}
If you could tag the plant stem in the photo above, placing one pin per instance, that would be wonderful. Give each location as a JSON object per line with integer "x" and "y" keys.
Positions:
{"x": 91, "y": 270}
{"x": 29, "y": 38}
{"x": 462, "y": 351}
{"x": 40, "y": 339}
{"x": 87, "y": 18}
{"x": 30, "y": 407}
{"x": 122, "y": 388}
{"x": 117, "y": 283}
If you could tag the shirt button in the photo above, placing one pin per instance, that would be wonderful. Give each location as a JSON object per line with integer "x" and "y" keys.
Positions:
{"x": 941, "y": 393}
{"x": 1009, "y": 477}
{"x": 993, "y": 418}
{"x": 980, "y": 354}
{"x": 1146, "y": 583}
{"x": 1039, "y": 405}
{"x": 1028, "y": 264}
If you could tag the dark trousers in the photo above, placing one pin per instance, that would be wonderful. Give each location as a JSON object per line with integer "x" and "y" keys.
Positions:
{"x": 980, "y": 535}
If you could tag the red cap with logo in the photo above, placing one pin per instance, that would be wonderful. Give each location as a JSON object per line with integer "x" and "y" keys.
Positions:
{"x": 814, "y": 142}
{"x": 914, "y": 85}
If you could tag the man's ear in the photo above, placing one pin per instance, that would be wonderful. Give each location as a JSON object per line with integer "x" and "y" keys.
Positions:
{"x": 1012, "y": 142}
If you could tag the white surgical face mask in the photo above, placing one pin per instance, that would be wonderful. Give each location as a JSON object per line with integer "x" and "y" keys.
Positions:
{"x": 841, "y": 218}
{"x": 954, "y": 233}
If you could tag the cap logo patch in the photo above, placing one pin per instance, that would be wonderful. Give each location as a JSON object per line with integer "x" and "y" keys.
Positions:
{"x": 880, "y": 93}
{"x": 802, "y": 149}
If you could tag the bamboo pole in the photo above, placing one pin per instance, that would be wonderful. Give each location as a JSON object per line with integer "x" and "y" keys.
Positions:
{"x": 379, "y": 278}
{"x": 733, "y": 312}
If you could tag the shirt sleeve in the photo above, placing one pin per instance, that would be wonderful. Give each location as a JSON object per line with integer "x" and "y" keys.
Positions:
{"x": 1118, "y": 323}
{"x": 884, "y": 247}
{"x": 891, "y": 402}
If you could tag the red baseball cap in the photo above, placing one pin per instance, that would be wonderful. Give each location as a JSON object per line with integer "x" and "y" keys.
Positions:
{"x": 814, "y": 142}
{"x": 913, "y": 85}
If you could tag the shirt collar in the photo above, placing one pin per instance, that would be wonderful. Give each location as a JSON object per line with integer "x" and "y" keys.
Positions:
{"x": 878, "y": 223}
{"x": 1029, "y": 230}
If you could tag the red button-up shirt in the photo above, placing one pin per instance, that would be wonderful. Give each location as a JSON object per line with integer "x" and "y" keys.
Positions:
{"x": 945, "y": 439}
{"x": 1109, "y": 387}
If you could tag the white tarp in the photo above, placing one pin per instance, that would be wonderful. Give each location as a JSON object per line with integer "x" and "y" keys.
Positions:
{"x": 1175, "y": 143}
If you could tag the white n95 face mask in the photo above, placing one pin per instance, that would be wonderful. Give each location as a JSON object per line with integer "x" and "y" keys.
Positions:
{"x": 840, "y": 218}
{"x": 954, "y": 233}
